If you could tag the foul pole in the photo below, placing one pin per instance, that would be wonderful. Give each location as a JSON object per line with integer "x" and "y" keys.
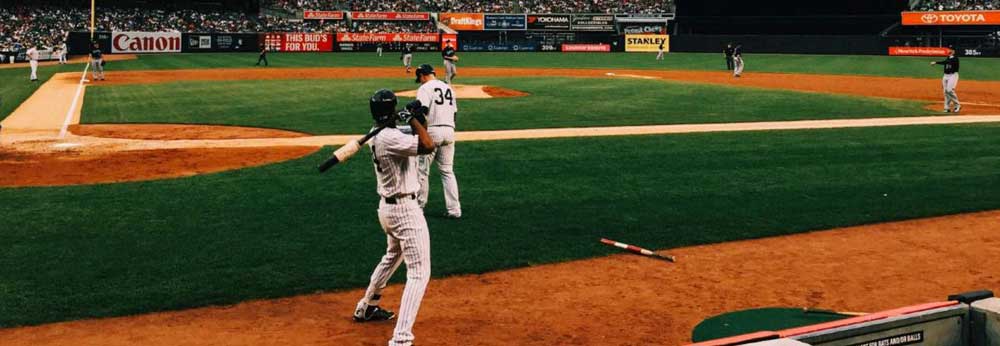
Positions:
{"x": 92, "y": 12}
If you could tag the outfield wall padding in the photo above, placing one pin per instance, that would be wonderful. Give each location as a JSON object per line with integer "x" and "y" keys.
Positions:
{"x": 791, "y": 44}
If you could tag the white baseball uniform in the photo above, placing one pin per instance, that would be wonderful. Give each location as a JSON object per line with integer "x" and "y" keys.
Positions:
{"x": 408, "y": 239}
{"x": 440, "y": 99}
{"x": 738, "y": 63}
{"x": 33, "y": 60}
{"x": 63, "y": 50}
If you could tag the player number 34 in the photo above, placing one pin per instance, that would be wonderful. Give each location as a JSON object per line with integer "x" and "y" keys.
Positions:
{"x": 444, "y": 95}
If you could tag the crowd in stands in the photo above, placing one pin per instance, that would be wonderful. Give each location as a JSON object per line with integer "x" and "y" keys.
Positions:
{"x": 47, "y": 27}
{"x": 954, "y": 5}
{"x": 498, "y": 6}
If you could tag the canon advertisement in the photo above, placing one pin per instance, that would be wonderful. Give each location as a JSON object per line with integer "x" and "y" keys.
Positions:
{"x": 549, "y": 22}
{"x": 145, "y": 42}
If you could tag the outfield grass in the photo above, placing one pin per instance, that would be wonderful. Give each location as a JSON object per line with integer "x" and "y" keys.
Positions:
{"x": 972, "y": 68}
{"x": 107, "y": 250}
{"x": 340, "y": 106}
{"x": 15, "y": 87}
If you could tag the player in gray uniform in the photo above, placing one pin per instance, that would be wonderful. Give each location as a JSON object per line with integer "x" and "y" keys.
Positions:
{"x": 407, "y": 57}
{"x": 738, "y": 60}
{"x": 659, "y": 52}
{"x": 97, "y": 62}
{"x": 394, "y": 155}
{"x": 949, "y": 82}
{"x": 448, "y": 53}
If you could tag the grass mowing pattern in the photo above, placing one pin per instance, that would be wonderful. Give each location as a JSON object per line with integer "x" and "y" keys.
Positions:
{"x": 340, "y": 106}
{"x": 106, "y": 250}
{"x": 972, "y": 68}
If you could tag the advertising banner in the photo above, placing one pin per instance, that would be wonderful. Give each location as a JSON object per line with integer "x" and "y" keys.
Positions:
{"x": 548, "y": 22}
{"x": 646, "y": 43}
{"x": 449, "y": 38}
{"x": 593, "y": 22}
{"x": 463, "y": 21}
{"x": 636, "y": 29}
{"x": 505, "y": 22}
{"x": 199, "y": 41}
{"x": 326, "y": 15}
{"x": 582, "y": 47}
{"x": 390, "y": 16}
{"x": 499, "y": 47}
{"x": 952, "y": 18}
{"x": 919, "y": 51}
{"x": 298, "y": 42}
{"x": 387, "y": 37}
{"x": 145, "y": 42}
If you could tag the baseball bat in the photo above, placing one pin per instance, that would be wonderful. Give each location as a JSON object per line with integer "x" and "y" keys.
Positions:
{"x": 347, "y": 150}
{"x": 638, "y": 250}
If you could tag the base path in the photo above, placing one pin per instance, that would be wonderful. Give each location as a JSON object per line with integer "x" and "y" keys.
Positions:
{"x": 616, "y": 300}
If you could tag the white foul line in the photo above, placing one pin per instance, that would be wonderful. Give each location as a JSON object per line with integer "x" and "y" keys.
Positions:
{"x": 72, "y": 106}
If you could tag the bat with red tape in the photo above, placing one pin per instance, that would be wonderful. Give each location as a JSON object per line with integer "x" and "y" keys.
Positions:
{"x": 638, "y": 250}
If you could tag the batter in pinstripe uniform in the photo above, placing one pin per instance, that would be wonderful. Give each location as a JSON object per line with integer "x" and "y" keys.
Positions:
{"x": 394, "y": 154}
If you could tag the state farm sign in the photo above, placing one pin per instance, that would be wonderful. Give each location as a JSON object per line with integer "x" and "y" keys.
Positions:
{"x": 952, "y": 18}
{"x": 387, "y": 37}
{"x": 145, "y": 42}
{"x": 390, "y": 16}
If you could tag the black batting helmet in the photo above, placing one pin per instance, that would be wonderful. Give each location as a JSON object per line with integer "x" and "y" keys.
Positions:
{"x": 424, "y": 70}
{"x": 383, "y": 106}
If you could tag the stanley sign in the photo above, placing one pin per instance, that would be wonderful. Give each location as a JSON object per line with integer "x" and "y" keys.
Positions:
{"x": 646, "y": 43}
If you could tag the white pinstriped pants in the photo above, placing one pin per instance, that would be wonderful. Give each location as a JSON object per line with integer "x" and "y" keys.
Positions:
{"x": 408, "y": 240}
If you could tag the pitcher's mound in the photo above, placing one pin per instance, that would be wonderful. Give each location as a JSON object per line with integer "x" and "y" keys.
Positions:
{"x": 474, "y": 92}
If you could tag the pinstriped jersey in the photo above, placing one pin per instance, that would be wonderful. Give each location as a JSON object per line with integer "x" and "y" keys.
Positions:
{"x": 441, "y": 102}
{"x": 394, "y": 155}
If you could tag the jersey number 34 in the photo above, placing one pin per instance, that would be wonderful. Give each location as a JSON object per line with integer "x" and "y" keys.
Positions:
{"x": 444, "y": 95}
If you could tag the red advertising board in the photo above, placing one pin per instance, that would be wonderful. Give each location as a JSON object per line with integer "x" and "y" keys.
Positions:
{"x": 298, "y": 42}
{"x": 952, "y": 18}
{"x": 397, "y": 37}
{"x": 919, "y": 51}
{"x": 390, "y": 16}
{"x": 327, "y": 15}
{"x": 449, "y": 38}
{"x": 581, "y": 47}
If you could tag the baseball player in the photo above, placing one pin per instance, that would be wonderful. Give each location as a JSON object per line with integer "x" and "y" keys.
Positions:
{"x": 949, "y": 82}
{"x": 728, "y": 51}
{"x": 32, "y": 54}
{"x": 63, "y": 50}
{"x": 407, "y": 57}
{"x": 262, "y": 56}
{"x": 659, "y": 54}
{"x": 379, "y": 50}
{"x": 437, "y": 101}
{"x": 448, "y": 53}
{"x": 408, "y": 240}
{"x": 97, "y": 62}
{"x": 738, "y": 60}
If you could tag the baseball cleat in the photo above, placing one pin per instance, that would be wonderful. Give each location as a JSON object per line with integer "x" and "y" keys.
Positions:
{"x": 372, "y": 313}
{"x": 452, "y": 216}
{"x": 958, "y": 108}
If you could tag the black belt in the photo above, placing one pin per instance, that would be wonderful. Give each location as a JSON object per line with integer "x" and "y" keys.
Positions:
{"x": 442, "y": 126}
{"x": 394, "y": 200}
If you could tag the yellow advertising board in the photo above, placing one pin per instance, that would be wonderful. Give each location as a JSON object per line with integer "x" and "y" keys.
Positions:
{"x": 646, "y": 43}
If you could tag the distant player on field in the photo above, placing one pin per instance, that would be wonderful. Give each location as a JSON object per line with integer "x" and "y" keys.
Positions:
{"x": 262, "y": 56}
{"x": 659, "y": 54}
{"x": 949, "y": 82}
{"x": 738, "y": 60}
{"x": 728, "y": 52}
{"x": 448, "y": 53}
{"x": 407, "y": 57}
{"x": 379, "y": 50}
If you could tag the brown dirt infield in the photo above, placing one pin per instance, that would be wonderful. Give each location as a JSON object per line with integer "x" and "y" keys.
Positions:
{"x": 616, "y": 300}
{"x": 173, "y": 131}
{"x": 76, "y": 167}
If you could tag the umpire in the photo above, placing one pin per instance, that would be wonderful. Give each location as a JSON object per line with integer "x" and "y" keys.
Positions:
{"x": 728, "y": 51}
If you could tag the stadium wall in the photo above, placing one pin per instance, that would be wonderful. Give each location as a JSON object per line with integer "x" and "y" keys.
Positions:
{"x": 791, "y": 44}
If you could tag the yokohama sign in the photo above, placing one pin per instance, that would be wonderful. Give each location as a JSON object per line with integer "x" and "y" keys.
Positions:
{"x": 390, "y": 16}
{"x": 952, "y": 18}
{"x": 146, "y": 42}
{"x": 401, "y": 37}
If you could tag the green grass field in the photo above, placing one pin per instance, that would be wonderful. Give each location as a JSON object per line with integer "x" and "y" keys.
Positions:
{"x": 279, "y": 230}
{"x": 340, "y": 106}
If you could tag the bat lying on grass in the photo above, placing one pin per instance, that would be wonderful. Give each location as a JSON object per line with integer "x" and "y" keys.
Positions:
{"x": 345, "y": 152}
